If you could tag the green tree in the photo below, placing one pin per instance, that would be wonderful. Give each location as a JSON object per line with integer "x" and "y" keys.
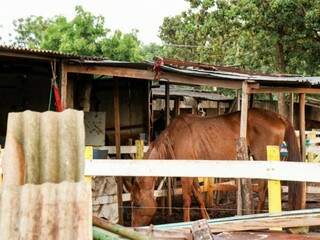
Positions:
{"x": 85, "y": 34}
{"x": 272, "y": 35}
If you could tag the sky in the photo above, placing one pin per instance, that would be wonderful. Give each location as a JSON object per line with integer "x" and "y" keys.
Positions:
{"x": 125, "y": 15}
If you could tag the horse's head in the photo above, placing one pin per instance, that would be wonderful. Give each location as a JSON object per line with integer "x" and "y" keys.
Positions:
{"x": 143, "y": 202}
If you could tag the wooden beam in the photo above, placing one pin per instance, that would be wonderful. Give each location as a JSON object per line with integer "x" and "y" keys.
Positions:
{"x": 118, "y": 144}
{"x": 290, "y": 171}
{"x": 112, "y": 71}
{"x": 284, "y": 90}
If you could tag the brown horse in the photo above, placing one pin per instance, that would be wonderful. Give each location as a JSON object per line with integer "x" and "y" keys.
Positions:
{"x": 191, "y": 137}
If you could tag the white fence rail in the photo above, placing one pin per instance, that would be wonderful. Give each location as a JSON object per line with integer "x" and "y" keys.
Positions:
{"x": 290, "y": 171}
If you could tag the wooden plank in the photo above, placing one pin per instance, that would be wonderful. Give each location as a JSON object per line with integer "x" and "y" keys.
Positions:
{"x": 112, "y": 71}
{"x": 149, "y": 75}
{"x": 123, "y": 149}
{"x": 284, "y": 90}
{"x": 290, "y": 171}
{"x": 119, "y": 180}
{"x": 286, "y": 219}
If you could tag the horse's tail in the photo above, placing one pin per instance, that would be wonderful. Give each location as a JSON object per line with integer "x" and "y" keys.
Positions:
{"x": 296, "y": 192}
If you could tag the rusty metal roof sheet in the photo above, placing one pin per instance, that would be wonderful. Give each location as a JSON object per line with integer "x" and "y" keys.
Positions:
{"x": 5, "y": 49}
{"x": 48, "y": 211}
{"x": 175, "y": 66}
{"x": 216, "y": 73}
{"x": 44, "y": 147}
{"x": 178, "y": 92}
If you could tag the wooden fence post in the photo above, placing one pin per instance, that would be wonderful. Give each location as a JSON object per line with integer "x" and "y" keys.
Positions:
{"x": 244, "y": 195}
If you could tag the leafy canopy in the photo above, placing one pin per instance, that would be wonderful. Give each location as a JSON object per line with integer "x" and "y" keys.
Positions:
{"x": 85, "y": 34}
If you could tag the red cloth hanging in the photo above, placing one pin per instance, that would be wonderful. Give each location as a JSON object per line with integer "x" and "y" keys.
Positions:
{"x": 57, "y": 98}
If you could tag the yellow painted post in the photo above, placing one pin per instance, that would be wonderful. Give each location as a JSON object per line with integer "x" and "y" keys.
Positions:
{"x": 139, "y": 147}
{"x": 88, "y": 155}
{"x": 274, "y": 186}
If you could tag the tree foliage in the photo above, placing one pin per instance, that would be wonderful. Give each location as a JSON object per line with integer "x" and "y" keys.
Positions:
{"x": 85, "y": 34}
{"x": 271, "y": 35}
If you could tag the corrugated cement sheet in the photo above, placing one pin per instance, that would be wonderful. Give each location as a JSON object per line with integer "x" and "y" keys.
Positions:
{"x": 44, "y": 147}
{"x": 48, "y": 211}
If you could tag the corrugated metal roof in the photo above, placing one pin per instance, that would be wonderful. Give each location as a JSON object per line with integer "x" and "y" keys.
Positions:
{"x": 178, "y": 92}
{"x": 44, "y": 147}
{"x": 220, "y": 73}
{"x": 43, "y": 53}
{"x": 48, "y": 211}
{"x": 175, "y": 66}
{"x": 299, "y": 81}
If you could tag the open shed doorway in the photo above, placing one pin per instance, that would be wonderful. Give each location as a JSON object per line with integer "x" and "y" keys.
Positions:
{"x": 24, "y": 85}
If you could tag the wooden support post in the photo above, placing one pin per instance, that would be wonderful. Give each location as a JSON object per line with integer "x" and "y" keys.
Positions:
{"x": 118, "y": 145}
{"x": 167, "y": 103}
{"x": 251, "y": 101}
{"x": 176, "y": 107}
{"x": 282, "y": 109}
{"x": 244, "y": 195}
{"x": 167, "y": 107}
{"x": 302, "y": 128}
{"x": 63, "y": 83}
{"x": 219, "y": 107}
{"x": 274, "y": 186}
{"x": 87, "y": 96}
{"x": 291, "y": 108}
{"x": 302, "y": 99}
{"x": 238, "y": 100}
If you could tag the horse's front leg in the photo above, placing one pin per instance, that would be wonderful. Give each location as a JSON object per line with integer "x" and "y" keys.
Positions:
{"x": 186, "y": 196}
{"x": 198, "y": 194}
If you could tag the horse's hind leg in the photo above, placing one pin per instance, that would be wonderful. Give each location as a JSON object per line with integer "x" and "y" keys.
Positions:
{"x": 186, "y": 196}
{"x": 262, "y": 192}
{"x": 197, "y": 193}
